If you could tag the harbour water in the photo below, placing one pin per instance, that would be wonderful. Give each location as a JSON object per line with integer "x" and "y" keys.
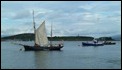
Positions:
{"x": 71, "y": 56}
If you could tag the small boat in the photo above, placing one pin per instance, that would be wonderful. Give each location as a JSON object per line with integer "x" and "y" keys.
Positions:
{"x": 92, "y": 44}
{"x": 41, "y": 40}
{"x": 109, "y": 43}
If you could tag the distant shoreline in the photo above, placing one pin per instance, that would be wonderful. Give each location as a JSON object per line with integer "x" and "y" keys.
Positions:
{"x": 30, "y": 37}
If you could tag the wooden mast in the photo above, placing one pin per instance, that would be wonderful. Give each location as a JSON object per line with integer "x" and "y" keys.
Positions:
{"x": 51, "y": 36}
{"x": 34, "y": 28}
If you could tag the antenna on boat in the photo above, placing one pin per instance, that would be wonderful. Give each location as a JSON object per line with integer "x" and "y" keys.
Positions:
{"x": 34, "y": 26}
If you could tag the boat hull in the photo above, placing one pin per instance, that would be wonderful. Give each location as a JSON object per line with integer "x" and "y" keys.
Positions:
{"x": 92, "y": 44}
{"x": 41, "y": 48}
{"x": 109, "y": 43}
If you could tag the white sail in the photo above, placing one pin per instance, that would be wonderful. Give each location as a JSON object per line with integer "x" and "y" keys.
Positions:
{"x": 41, "y": 36}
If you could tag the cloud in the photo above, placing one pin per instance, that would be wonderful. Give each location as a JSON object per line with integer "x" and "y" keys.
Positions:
{"x": 13, "y": 31}
{"x": 26, "y": 27}
{"x": 21, "y": 15}
{"x": 68, "y": 17}
{"x": 10, "y": 31}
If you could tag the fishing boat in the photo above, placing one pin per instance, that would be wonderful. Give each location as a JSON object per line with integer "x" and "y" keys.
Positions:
{"x": 109, "y": 43}
{"x": 92, "y": 44}
{"x": 41, "y": 41}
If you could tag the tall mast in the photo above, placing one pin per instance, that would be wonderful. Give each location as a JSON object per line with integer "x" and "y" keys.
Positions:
{"x": 34, "y": 27}
{"x": 51, "y": 35}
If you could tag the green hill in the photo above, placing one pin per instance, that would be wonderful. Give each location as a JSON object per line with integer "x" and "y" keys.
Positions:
{"x": 30, "y": 37}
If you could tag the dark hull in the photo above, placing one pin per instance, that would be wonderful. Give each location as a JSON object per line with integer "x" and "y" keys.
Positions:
{"x": 109, "y": 43}
{"x": 41, "y": 48}
{"x": 92, "y": 44}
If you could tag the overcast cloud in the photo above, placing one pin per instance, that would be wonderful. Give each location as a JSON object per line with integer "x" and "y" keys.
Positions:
{"x": 69, "y": 18}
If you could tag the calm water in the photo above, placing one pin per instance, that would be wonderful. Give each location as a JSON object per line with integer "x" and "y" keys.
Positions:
{"x": 71, "y": 56}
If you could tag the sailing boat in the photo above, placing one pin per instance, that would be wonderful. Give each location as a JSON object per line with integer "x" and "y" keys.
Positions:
{"x": 41, "y": 40}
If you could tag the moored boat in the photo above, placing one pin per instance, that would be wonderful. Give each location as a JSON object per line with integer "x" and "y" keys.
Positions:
{"x": 92, "y": 44}
{"x": 109, "y": 43}
{"x": 41, "y": 41}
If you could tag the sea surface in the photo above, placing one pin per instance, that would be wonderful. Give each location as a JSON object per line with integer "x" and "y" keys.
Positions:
{"x": 72, "y": 56}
